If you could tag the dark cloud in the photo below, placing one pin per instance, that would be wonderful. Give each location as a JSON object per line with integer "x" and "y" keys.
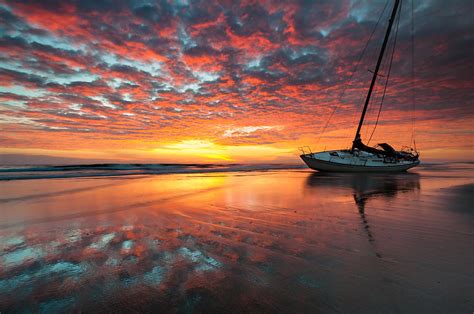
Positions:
{"x": 25, "y": 79}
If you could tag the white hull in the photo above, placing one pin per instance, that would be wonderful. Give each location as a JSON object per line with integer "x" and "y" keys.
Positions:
{"x": 345, "y": 161}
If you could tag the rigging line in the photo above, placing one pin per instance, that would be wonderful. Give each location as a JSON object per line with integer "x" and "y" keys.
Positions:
{"x": 413, "y": 96}
{"x": 376, "y": 98}
{"x": 388, "y": 73}
{"x": 370, "y": 107}
{"x": 376, "y": 94}
{"x": 352, "y": 74}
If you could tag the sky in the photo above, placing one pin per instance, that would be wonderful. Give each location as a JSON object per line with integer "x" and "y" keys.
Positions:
{"x": 227, "y": 81}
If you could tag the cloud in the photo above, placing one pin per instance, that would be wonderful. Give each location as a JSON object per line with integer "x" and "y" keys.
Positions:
{"x": 247, "y": 130}
{"x": 128, "y": 73}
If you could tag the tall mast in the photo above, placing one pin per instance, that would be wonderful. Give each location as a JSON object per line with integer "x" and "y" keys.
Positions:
{"x": 374, "y": 77}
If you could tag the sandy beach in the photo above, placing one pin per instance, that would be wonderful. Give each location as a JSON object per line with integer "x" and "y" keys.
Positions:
{"x": 249, "y": 241}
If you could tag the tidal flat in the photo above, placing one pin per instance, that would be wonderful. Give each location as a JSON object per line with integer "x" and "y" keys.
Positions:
{"x": 285, "y": 240}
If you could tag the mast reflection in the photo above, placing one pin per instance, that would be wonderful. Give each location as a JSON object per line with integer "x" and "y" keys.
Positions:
{"x": 365, "y": 187}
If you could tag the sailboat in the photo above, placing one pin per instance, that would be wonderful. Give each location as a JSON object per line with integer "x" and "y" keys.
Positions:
{"x": 363, "y": 158}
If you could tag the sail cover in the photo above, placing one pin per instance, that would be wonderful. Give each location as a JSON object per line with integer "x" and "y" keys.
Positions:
{"x": 387, "y": 149}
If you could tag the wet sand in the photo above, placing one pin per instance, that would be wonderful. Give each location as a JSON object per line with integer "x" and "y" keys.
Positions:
{"x": 270, "y": 241}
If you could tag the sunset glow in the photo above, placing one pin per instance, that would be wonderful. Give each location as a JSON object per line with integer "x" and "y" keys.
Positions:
{"x": 226, "y": 83}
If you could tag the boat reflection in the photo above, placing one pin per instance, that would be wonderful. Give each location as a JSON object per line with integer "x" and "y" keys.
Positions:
{"x": 365, "y": 187}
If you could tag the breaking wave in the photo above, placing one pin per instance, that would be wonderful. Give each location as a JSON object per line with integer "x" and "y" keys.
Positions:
{"x": 105, "y": 170}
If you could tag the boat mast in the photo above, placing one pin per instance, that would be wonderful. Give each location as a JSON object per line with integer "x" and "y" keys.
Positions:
{"x": 374, "y": 77}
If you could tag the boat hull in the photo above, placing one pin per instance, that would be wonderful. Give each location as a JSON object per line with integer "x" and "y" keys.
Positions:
{"x": 329, "y": 166}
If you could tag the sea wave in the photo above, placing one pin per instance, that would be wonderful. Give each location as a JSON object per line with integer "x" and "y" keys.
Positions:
{"x": 105, "y": 170}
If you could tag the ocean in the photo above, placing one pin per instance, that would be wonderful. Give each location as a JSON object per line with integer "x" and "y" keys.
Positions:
{"x": 109, "y": 170}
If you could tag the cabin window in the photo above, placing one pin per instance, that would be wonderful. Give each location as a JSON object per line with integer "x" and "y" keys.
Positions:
{"x": 335, "y": 154}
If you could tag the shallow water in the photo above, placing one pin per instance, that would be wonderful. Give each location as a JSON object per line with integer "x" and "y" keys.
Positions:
{"x": 272, "y": 241}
